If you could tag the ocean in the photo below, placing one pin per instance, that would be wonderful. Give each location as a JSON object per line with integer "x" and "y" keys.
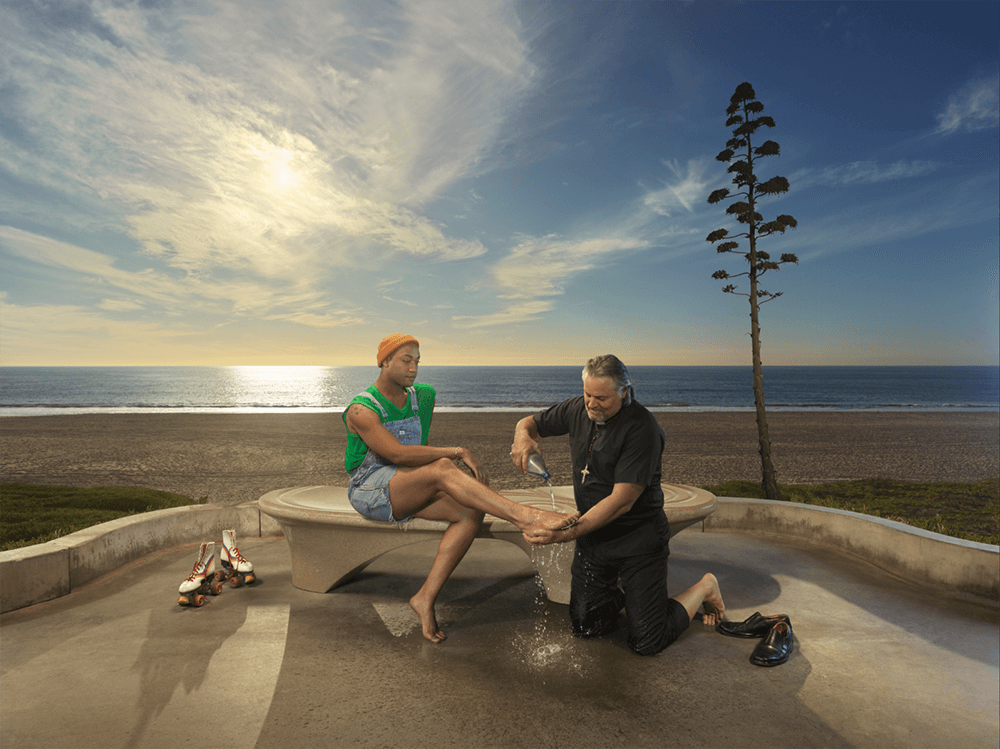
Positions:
{"x": 36, "y": 391}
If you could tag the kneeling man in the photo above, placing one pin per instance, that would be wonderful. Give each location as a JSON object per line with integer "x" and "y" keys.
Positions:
{"x": 616, "y": 447}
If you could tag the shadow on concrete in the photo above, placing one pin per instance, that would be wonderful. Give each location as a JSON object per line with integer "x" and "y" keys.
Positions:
{"x": 512, "y": 674}
{"x": 876, "y": 663}
{"x": 176, "y": 652}
{"x": 880, "y": 594}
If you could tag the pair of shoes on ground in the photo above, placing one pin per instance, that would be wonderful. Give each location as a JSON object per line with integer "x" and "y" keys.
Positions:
{"x": 204, "y": 578}
{"x": 776, "y": 630}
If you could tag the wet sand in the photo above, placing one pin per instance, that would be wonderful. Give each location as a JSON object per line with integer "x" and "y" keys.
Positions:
{"x": 232, "y": 458}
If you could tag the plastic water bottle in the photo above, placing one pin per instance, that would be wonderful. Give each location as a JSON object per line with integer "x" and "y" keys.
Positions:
{"x": 536, "y": 466}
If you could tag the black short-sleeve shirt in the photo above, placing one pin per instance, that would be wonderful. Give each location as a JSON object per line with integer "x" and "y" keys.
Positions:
{"x": 627, "y": 449}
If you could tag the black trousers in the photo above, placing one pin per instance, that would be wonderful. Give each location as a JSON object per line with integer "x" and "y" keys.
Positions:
{"x": 639, "y": 559}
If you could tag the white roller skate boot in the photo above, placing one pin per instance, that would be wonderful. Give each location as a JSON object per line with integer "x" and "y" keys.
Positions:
{"x": 235, "y": 567}
{"x": 201, "y": 581}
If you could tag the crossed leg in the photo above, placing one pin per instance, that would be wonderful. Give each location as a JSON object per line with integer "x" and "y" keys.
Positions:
{"x": 413, "y": 488}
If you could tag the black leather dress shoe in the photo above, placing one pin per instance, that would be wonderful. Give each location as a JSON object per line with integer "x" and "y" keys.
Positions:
{"x": 774, "y": 649}
{"x": 755, "y": 626}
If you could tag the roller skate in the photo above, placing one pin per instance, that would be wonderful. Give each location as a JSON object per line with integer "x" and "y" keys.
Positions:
{"x": 237, "y": 570}
{"x": 201, "y": 581}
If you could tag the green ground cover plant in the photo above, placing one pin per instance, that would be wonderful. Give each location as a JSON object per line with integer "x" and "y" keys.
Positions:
{"x": 969, "y": 511}
{"x": 36, "y": 513}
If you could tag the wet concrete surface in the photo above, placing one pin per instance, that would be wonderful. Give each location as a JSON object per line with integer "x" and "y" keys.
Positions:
{"x": 878, "y": 662}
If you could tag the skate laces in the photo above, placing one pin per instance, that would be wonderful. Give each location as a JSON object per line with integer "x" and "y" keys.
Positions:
{"x": 195, "y": 573}
{"x": 234, "y": 553}
{"x": 204, "y": 569}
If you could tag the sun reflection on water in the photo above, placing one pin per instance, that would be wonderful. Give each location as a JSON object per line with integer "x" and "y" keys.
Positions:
{"x": 279, "y": 385}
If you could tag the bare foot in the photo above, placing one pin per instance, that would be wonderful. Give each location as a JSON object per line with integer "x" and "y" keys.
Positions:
{"x": 715, "y": 609}
{"x": 549, "y": 521}
{"x": 428, "y": 621}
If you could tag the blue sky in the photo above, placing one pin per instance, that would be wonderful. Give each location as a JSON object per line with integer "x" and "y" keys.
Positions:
{"x": 254, "y": 183}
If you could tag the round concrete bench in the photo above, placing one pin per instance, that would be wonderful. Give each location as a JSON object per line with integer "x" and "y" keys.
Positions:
{"x": 331, "y": 543}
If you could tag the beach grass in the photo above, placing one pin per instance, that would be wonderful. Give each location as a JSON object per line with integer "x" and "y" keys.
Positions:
{"x": 36, "y": 513}
{"x": 970, "y": 511}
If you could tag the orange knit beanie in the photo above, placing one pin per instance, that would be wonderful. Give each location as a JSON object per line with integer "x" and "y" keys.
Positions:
{"x": 392, "y": 342}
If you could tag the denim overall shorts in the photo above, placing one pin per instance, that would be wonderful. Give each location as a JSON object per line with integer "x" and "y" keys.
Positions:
{"x": 368, "y": 490}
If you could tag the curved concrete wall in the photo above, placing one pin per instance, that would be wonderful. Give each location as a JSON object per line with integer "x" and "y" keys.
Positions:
{"x": 40, "y": 573}
{"x": 914, "y": 554}
{"x": 45, "y": 571}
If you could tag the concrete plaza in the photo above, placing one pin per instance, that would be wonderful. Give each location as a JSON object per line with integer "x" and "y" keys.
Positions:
{"x": 878, "y": 662}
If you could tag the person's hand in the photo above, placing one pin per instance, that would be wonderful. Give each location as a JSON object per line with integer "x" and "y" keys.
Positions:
{"x": 478, "y": 472}
{"x": 543, "y": 537}
{"x": 521, "y": 450}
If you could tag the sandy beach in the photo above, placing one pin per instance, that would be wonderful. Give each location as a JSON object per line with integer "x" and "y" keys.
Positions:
{"x": 232, "y": 458}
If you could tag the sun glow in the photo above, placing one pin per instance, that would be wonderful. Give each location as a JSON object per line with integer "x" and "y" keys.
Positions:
{"x": 285, "y": 177}
{"x": 281, "y": 385}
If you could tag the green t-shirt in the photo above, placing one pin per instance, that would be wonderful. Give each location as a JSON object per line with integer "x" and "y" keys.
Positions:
{"x": 356, "y": 450}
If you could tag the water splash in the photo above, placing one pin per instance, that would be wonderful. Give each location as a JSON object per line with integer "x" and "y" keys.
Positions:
{"x": 549, "y": 651}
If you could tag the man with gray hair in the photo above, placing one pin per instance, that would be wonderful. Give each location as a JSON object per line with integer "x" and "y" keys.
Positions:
{"x": 616, "y": 447}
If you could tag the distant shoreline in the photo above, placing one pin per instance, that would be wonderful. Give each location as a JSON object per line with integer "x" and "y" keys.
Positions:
{"x": 497, "y": 389}
{"x": 231, "y": 457}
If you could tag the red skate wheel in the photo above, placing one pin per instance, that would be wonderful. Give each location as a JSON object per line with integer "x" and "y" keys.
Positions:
{"x": 199, "y": 600}
{"x": 235, "y": 582}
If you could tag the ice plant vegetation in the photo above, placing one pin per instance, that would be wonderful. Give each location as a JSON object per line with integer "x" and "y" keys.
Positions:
{"x": 745, "y": 118}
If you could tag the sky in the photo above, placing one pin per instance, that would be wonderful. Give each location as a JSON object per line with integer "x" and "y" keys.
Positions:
{"x": 255, "y": 183}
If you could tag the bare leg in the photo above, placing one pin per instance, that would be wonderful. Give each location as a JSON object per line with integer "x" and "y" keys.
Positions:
{"x": 412, "y": 488}
{"x": 705, "y": 591}
{"x": 458, "y": 537}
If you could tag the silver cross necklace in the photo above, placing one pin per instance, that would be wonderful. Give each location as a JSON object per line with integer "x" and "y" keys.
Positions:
{"x": 586, "y": 470}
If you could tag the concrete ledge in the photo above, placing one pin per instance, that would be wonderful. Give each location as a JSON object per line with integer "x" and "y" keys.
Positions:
{"x": 40, "y": 573}
{"x": 45, "y": 571}
{"x": 32, "y": 575}
{"x": 911, "y": 553}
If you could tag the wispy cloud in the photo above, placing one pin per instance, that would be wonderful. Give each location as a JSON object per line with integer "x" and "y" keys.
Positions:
{"x": 400, "y": 301}
{"x": 510, "y": 315}
{"x": 328, "y": 320}
{"x": 69, "y": 331}
{"x": 301, "y": 147}
{"x": 895, "y": 219}
{"x": 119, "y": 305}
{"x": 861, "y": 173}
{"x": 538, "y": 269}
{"x": 975, "y": 107}
{"x": 163, "y": 291}
{"x": 690, "y": 189}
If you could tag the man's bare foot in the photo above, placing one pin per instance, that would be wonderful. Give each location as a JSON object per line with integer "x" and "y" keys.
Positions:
{"x": 715, "y": 609}
{"x": 428, "y": 621}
